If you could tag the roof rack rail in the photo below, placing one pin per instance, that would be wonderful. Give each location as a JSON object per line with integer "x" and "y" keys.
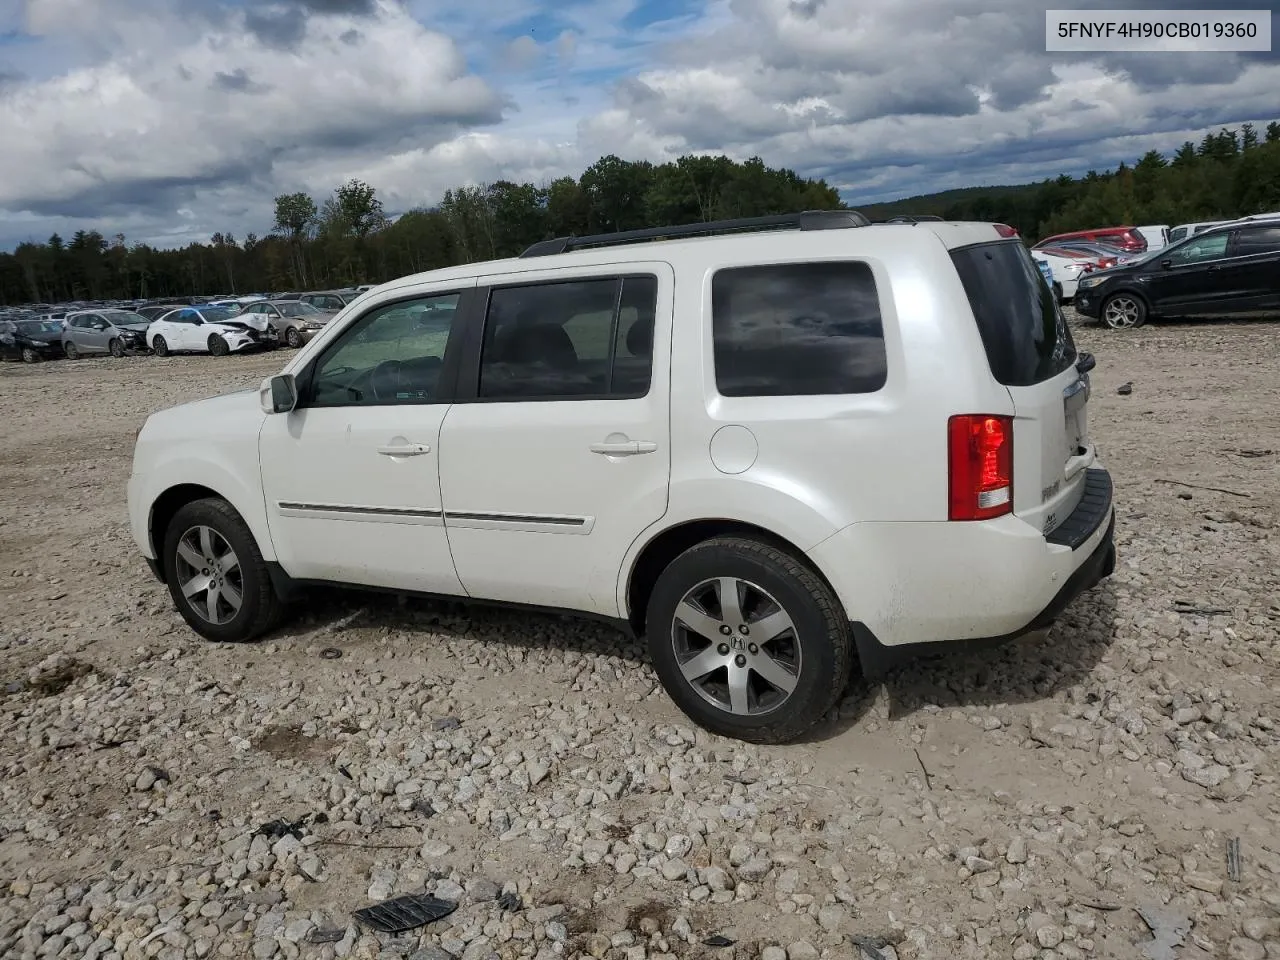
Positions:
{"x": 805, "y": 220}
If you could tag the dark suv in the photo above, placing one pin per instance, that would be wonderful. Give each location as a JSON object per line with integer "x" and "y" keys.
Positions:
{"x": 1229, "y": 270}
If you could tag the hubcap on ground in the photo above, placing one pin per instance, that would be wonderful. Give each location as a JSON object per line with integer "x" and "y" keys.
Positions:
{"x": 209, "y": 574}
{"x": 1122, "y": 312}
{"x": 736, "y": 646}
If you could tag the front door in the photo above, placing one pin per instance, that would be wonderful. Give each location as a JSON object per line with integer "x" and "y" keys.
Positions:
{"x": 556, "y": 455}
{"x": 351, "y": 475}
{"x": 1191, "y": 280}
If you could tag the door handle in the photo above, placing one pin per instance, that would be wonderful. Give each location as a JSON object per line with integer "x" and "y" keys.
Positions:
{"x": 405, "y": 450}
{"x": 624, "y": 448}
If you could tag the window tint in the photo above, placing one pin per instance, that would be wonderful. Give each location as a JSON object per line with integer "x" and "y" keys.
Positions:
{"x": 797, "y": 329}
{"x": 391, "y": 355}
{"x": 1024, "y": 334}
{"x": 574, "y": 339}
{"x": 1257, "y": 240}
{"x": 1212, "y": 247}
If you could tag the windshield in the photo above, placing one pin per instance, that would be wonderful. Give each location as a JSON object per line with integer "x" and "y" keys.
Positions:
{"x": 218, "y": 314}
{"x": 296, "y": 308}
{"x": 33, "y": 327}
{"x": 125, "y": 318}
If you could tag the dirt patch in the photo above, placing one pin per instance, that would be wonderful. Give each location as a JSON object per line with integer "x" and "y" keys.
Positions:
{"x": 289, "y": 742}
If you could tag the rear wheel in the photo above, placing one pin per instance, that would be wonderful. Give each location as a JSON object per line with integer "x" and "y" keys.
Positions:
{"x": 160, "y": 346}
{"x": 748, "y": 641}
{"x": 216, "y": 574}
{"x": 116, "y": 347}
{"x": 70, "y": 350}
{"x": 1124, "y": 312}
{"x": 218, "y": 346}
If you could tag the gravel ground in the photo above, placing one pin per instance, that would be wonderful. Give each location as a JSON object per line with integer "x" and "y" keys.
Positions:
{"x": 166, "y": 797}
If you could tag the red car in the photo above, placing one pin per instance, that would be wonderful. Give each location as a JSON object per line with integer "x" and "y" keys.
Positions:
{"x": 1126, "y": 238}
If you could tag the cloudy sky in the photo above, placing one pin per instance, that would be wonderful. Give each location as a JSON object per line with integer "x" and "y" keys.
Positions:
{"x": 168, "y": 120}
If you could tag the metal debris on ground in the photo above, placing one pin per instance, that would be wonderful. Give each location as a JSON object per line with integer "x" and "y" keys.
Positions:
{"x": 330, "y": 935}
{"x": 404, "y": 913}
{"x": 1233, "y": 859}
{"x": 1169, "y": 928}
{"x": 278, "y": 828}
{"x": 718, "y": 940}
{"x": 510, "y": 902}
{"x": 330, "y": 653}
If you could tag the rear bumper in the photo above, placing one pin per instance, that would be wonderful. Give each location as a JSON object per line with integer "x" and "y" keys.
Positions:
{"x": 916, "y": 587}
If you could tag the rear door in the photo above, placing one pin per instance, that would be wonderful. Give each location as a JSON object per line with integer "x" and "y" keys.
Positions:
{"x": 1255, "y": 258}
{"x": 1032, "y": 354}
{"x": 556, "y": 454}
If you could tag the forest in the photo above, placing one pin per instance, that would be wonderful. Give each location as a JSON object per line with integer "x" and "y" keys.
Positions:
{"x": 347, "y": 238}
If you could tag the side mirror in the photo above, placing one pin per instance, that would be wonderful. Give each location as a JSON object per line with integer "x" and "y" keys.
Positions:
{"x": 1085, "y": 362}
{"x": 1166, "y": 264}
{"x": 278, "y": 394}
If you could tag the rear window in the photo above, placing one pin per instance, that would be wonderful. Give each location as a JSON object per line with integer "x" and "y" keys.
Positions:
{"x": 797, "y": 329}
{"x": 1025, "y": 335}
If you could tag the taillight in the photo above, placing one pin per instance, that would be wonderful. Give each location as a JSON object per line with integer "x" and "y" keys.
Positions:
{"x": 980, "y": 462}
{"x": 1006, "y": 231}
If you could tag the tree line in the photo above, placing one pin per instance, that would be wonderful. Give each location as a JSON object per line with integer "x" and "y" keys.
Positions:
{"x": 348, "y": 239}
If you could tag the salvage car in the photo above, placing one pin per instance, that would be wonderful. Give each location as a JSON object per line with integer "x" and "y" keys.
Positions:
{"x": 780, "y": 449}
{"x": 1229, "y": 270}
{"x": 295, "y": 322}
{"x": 207, "y": 329}
{"x": 31, "y": 340}
{"x": 116, "y": 332}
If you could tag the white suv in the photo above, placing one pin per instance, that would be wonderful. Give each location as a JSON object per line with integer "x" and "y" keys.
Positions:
{"x": 774, "y": 447}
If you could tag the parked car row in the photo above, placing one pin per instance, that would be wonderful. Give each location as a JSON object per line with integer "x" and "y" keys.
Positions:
{"x": 218, "y": 327}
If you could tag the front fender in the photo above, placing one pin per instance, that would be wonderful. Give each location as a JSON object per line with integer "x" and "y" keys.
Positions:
{"x": 200, "y": 465}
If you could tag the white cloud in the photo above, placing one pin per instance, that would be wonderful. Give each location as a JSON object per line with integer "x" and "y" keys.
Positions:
{"x": 215, "y": 109}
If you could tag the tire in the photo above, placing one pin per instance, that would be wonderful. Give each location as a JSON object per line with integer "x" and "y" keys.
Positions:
{"x": 1123, "y": 311}
{"x": 160, "y": 346}
{"x": 29, "y": 355}
{"x": 211, "y": 529}
{"x": 116, "y": 348}
{"x": 293, "y": 338}
{"x": 218, "y": 346}
{"x": 813, "y": 654}
{"x": 1057, "y": 292}
{"x": 71, "y": 351}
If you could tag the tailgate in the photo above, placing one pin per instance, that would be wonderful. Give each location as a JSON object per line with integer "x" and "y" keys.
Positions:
{"x": 1031, "y": 353}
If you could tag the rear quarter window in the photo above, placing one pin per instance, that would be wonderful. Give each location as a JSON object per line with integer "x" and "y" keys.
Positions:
{"x": 797, "y": 329}
{"x": 1024, "y": 334}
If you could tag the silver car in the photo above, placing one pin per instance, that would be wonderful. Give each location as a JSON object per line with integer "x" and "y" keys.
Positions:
{"x": 295, "y": 321}
{"x": 116, "y": 332}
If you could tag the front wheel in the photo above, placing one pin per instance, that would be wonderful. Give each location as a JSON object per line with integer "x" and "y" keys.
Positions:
{"x": 70, "y": 350}
{"x": 116, "y": 348}
{"x": 216, "y": 574}
{"x": 1124, "y": 312}
{"x": 293, "y": 338}
{"x": 160, "y": 346}
{"x": 748, "y": 641}
{"x": 218, "y": 346}
{"x": 29, "y": 355}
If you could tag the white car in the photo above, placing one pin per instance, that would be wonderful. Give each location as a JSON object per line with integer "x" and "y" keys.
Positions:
{"x": 779, "y": 449}
{"x": 209, "y": 329}
{"x": 1067, "y": 267}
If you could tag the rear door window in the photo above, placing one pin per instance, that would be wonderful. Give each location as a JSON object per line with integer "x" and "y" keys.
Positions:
{"x": 1024, "y": 333}
{"x": 797, "y": 329}
{"x": 1252, "y": 240}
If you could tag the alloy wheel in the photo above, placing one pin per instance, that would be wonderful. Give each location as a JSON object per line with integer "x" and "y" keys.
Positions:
{"x": 736, "y": 646}
{"x": 1121, "y": 313}
{"x": 208, "y": 572}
